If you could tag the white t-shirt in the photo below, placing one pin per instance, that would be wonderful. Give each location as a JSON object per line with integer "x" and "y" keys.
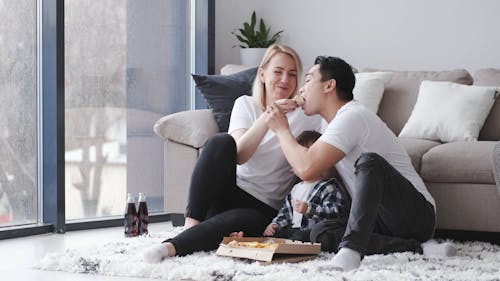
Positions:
{"x": 356, "y": 130}
{"x": 267, "y": 175}
{"x": 301, "y": 191}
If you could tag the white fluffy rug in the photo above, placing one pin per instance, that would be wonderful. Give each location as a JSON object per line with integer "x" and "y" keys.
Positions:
{"x": 475, "y": 261}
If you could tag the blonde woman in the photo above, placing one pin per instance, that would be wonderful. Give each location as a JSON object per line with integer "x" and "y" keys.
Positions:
{"x": 241, "y": 178}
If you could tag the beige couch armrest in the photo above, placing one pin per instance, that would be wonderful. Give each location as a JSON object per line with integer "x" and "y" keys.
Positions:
{"x": 193, "y": 127}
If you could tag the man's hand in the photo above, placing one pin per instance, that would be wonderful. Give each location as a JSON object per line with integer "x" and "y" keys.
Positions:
{"x": 300, "y": 206}
{"x": 271, "y": 229}
{"x": 276, "y": 118}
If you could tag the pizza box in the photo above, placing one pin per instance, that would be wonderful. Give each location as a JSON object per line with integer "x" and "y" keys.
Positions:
{"x": 287, "y": 250}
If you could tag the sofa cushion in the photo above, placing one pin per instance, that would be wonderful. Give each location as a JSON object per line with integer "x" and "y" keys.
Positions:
{"x": 416, "y": 148}
{"x": 448, "y": 112}
{"x": 369, "y": 88}
{"x": 221, "y": 91}
{"x": 401, "y": 92}
{"x": 491, "y": 128}
{"x": 193, "y": 127}
{"x": 459, "y": 162}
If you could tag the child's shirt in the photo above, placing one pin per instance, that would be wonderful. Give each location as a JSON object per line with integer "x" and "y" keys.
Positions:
{"x": 327, "y": 199}
{"x": 301, "y": 192}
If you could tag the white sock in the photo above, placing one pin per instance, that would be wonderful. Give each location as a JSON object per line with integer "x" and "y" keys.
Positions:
{"x": 346, "y": 259}
{"x": 433, "y": 248}
{"x": 155, "y": 254}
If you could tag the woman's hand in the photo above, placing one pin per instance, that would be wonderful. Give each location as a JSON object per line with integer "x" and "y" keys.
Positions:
{"x": 276, "y": 118}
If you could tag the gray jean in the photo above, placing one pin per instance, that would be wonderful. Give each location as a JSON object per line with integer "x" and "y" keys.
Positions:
{"x": 387, "y": 213}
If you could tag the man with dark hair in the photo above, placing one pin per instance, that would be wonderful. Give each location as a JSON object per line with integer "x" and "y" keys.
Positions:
{"x": 338, "y": 69}
{"x": 391, "y": 208}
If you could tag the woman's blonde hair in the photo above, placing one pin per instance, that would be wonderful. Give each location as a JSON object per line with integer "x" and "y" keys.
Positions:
{"x": 258, "y": 88}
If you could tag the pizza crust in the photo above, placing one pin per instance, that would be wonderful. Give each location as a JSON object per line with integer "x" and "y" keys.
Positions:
{"x": 269, "y": 244}
{"x": 299, "y": 99}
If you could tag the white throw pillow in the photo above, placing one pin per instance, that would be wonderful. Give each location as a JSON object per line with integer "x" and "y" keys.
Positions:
{"x": 449, "y": 112}
{"x": 369, "y": 88}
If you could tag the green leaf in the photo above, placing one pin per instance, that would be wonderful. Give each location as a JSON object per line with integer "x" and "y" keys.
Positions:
{"x": 242, "y": 40}
{"x": 262, "y": 26}
{"x": 276, "y": 36}
{"x": 255, "y": 38}
{"x": 254, "y": 20}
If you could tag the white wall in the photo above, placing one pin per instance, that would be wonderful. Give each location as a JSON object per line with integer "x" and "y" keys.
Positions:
{"x": 390, "y": 34}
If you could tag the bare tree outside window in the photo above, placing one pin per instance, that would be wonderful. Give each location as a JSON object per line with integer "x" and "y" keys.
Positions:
{"x": 127, "y": 65}
{"x": 18, "y": 111}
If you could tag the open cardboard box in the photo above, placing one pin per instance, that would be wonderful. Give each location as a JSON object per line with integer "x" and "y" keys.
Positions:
{"x": 287, "y": 250}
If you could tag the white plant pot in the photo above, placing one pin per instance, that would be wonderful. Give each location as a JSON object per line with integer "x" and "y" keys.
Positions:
{"x": 252, "y": 56}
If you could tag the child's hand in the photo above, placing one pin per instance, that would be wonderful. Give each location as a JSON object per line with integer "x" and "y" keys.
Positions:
{"x": 300, "y": 206}
{"x": 271, "y": 229}
{"x": 235, "y": 234}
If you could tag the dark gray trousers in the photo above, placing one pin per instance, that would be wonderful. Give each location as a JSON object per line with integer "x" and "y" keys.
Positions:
{"x": 387, "y": 213}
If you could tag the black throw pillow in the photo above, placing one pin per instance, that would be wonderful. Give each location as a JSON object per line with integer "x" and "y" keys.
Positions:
{"x": 220, "y": 92}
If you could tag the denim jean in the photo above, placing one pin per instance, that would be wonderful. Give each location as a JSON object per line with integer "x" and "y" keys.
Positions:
{"x": 387, "y": 213}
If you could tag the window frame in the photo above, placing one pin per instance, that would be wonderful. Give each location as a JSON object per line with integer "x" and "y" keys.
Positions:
{"x": 51, "y": 123}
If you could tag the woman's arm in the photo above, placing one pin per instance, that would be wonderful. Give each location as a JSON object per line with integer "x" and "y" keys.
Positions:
{"x": 247, "y": 140}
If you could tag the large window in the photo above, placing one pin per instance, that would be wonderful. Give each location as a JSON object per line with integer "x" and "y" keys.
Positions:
{"x": 18, "y": 113}
{"x": 126, "y": 66}
{"x": 96, "y": 76}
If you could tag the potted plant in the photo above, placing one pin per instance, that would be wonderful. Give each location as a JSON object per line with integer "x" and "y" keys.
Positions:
{"x": 254, "y": 41}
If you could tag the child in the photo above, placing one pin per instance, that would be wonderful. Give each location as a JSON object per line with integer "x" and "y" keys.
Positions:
{"x": 309, "y": 202}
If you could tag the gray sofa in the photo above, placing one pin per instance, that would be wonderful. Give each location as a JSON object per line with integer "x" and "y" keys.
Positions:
{"x": 459, "y": 175}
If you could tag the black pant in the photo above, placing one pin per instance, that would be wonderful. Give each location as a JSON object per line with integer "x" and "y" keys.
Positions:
{"x": 216, "y": 201}
{"x": 294, "y": 234}
{"x": 387, "y": 213}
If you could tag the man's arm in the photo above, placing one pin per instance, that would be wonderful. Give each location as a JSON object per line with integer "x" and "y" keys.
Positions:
{"x": 308, "y": 164}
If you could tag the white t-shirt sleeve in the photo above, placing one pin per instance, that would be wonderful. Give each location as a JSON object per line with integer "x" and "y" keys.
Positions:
{"x": 346, "y": 131}
{"x": 240, "y": 115}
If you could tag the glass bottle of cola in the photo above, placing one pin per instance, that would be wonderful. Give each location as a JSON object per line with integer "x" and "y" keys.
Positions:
{"x": 143, "y": 214}
{"x": 131, "y": 219}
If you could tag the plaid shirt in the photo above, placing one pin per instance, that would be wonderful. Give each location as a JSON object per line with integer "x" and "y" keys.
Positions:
{"x": 328, "y": 199}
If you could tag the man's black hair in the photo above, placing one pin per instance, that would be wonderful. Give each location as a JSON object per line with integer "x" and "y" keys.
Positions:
{"x": 341, "y": 71}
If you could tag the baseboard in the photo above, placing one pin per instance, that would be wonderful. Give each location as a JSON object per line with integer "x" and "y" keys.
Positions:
{"x": 464, "y": 235}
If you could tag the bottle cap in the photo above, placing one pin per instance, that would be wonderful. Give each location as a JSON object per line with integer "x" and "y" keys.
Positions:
{"x": 142, "y": 196}
{"x": 130, "y": 198}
